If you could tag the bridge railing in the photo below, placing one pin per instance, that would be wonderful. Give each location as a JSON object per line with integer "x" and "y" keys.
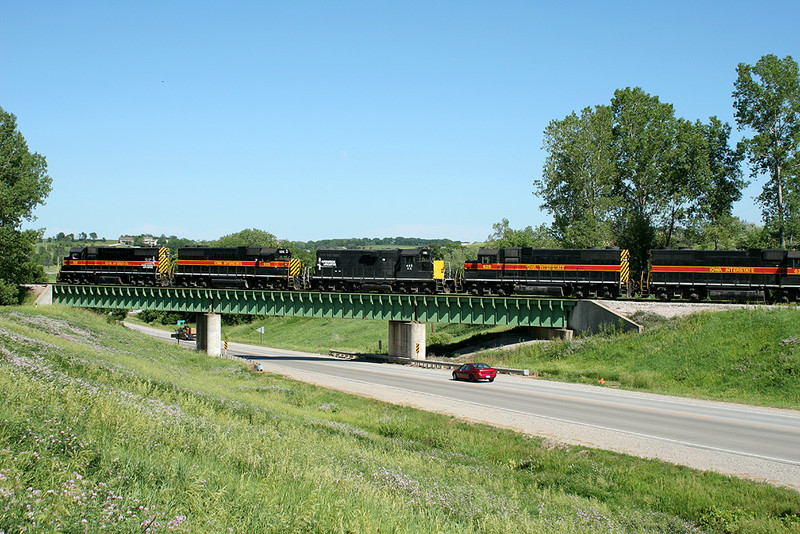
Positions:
{"x": 511, "y": 311}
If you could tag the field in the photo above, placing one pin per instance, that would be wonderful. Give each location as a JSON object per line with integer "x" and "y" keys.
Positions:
{"x": 104, "y": 429}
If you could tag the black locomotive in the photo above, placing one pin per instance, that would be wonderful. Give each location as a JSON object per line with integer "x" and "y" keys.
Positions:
{"x": 390, "y": 270}
{"x": 586, "y": 273}
{"x": 239, "y": 267}
{"x": 140, "y": 266}
{"x": 757, "y": 274}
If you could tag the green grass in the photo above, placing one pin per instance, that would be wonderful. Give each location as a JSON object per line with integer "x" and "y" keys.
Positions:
{"x": 312, "y": 335}
{"x": 105, "y": 429}
{"x": 747, "y": 356}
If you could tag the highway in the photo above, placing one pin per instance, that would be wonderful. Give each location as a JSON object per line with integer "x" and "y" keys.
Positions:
{"x": 757, "y": 443}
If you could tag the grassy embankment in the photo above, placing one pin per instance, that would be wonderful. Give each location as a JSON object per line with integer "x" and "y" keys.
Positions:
{"x": 748, "y": 356}
{"x": 105, "y": 429}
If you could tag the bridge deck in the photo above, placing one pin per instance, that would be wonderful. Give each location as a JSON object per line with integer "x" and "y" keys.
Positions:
{"x": 514, "y": 311}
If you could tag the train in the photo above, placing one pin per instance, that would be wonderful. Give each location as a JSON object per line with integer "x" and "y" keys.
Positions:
{"x": 768, "y": 275}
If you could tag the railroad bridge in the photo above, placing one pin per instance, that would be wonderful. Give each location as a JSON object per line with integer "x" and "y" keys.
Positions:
{"x": 406, "y": 313}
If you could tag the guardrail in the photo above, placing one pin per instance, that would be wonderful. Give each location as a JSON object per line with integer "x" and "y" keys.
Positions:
{"x": 428, "y": 364}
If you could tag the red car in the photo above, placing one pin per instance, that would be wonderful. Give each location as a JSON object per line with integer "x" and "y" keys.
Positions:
{"x": 474, "y": 372}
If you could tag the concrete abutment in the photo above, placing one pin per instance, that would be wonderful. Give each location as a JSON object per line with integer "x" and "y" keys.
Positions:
{"x": 209, "y": 333}
{"x": 407, "y": 339}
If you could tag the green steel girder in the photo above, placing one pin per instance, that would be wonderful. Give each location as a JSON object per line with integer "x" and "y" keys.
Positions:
{"x": 424, "y": 308}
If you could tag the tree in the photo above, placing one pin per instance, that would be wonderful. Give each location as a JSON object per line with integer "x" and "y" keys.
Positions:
{"x": 578, "y": 178}
{"x": 653, "y": 165}
{"x": 721, "y": 185}
{"x": 24, "y": 184}
{"x": 505, "y": 236}
{"x": 250, "y": 237}
{"x": 767, "y": 101}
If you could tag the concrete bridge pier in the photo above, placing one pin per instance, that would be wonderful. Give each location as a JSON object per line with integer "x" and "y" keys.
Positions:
{"x": 209, "y": 333}
{"x": 407, "y": 339}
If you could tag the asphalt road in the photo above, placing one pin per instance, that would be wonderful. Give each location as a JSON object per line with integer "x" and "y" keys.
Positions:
{"x": 753, "y": 442}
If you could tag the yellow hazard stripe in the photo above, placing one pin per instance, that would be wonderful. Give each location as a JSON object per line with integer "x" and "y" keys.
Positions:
{"x": 624, "y": 267}
{"x": 294, "y": 267}
{"x": 163, "y": 260}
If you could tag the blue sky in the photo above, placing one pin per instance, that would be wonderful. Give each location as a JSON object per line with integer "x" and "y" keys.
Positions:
{"x": 316, "y": 120}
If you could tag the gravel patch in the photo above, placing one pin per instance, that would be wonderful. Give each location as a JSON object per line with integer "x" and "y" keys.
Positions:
{"x": 677, "y": 309}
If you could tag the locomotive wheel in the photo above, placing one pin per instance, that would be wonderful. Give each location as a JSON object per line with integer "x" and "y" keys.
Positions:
{"x": 505, "y": 290}
{"x": 609, "y": 293}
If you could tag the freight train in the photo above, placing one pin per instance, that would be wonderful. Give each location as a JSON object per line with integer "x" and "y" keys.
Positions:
{"x": 771, "y": 275}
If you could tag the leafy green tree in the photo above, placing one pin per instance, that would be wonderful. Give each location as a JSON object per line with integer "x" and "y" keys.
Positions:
{"x": 720, "y": 186}
{"x": 767, "y": 101}
{"x": 24, "y": 184}
{"x": 250, "y": 237}
{"x": 505, "y": 236}
{"x": 578, "y": 178}
{"x": 731, "y": 234}
{"x": 652, "y": 151}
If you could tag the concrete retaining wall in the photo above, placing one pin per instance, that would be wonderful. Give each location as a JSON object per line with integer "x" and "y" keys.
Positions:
{"x": 590, "y": 316}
